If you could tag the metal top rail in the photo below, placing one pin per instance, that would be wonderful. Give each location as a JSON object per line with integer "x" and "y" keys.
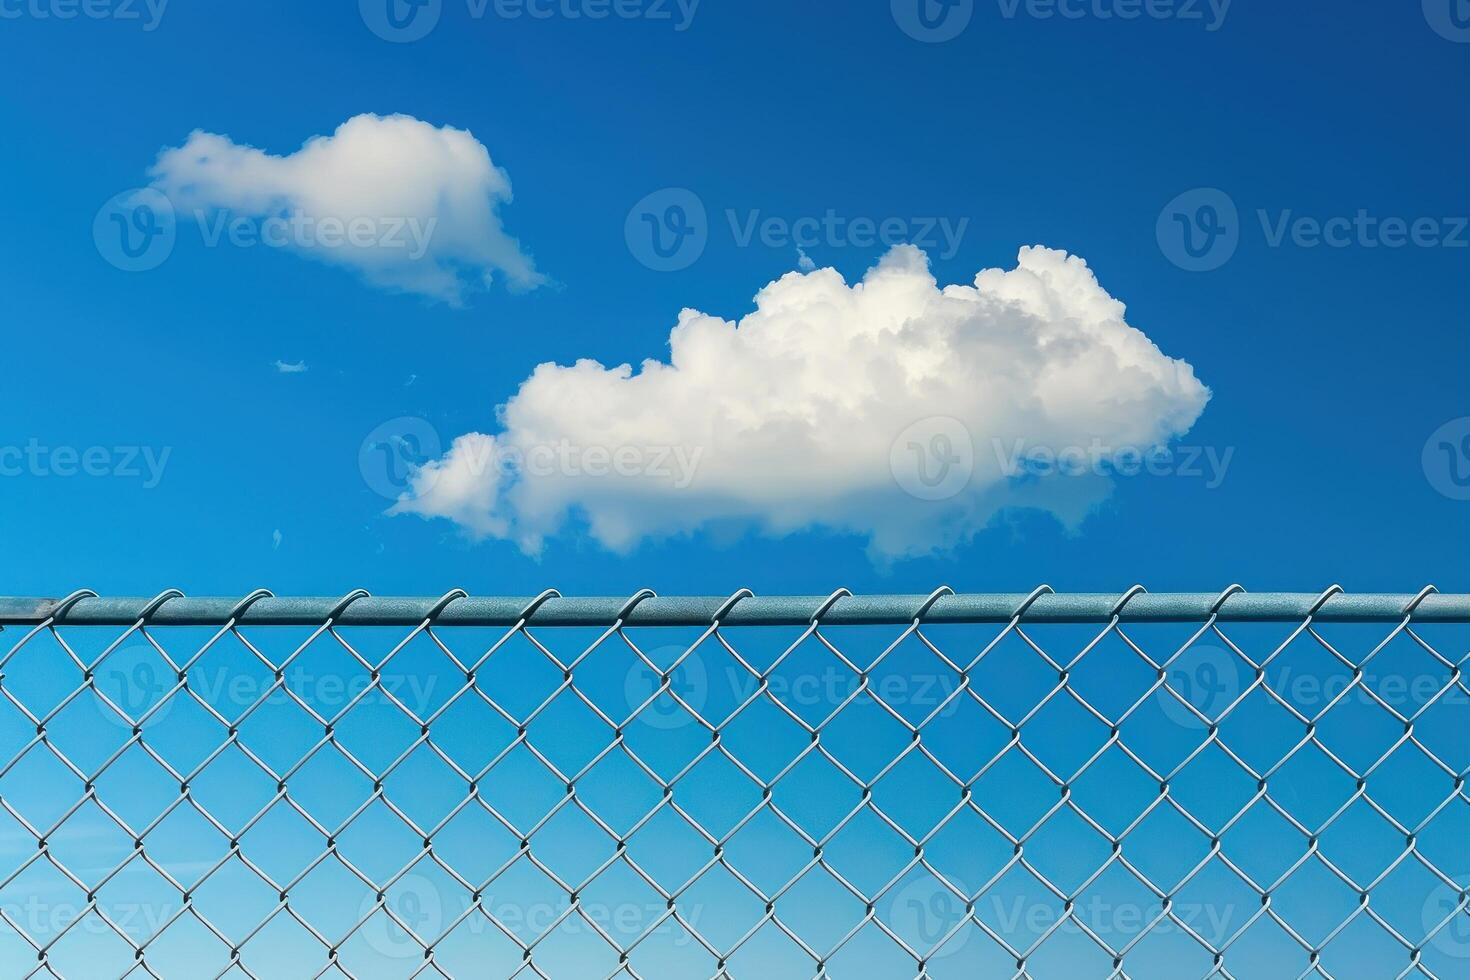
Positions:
{"x": 743, "y": 609}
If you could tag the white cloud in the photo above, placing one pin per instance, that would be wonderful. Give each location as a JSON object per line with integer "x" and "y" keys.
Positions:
{"x": 298, "y": 367}
{"x": 803, "y": 414}
{"x": 410, "y": 206}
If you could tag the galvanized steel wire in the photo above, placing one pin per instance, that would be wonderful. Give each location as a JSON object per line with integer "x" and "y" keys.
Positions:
{"x": 905, "y": 621}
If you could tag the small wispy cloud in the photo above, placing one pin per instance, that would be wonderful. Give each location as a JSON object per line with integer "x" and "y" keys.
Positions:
{"x": 412, "y": 207}
{"x": 804, "y": 261}
{"x": 298, "y": 368}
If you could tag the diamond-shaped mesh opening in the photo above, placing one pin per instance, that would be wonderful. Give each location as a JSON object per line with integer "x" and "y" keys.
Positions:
{"x": 727, "y": 907}
{"x": 1016, "y": 792}
{"x": 869, "y": 851}
{"x": 1066, "y": 851}
{"x": 969, "y": 849}
{"x": 1115, "y": 791}
{"x": 1011, "y": 677}
{"x": 765, "y": 738}
{"x": 767, "y": 852}
{"x": 1065, "y": 736}
{"x": 716, "y": 795}
{"x": 1101, "y": 798}
{"x": 916, "y": 794}
{"x": 820, "y": 910}
{"x": 816, "y": 795}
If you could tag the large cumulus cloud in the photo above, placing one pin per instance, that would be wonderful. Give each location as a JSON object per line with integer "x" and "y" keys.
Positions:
{"x": 799, "y": 415}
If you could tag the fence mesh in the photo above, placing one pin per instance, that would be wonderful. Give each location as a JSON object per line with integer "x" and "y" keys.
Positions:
{"x": 248, "y": 795}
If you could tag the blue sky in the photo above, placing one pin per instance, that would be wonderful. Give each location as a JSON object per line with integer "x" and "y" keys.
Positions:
{"x": 1330, "y": 367}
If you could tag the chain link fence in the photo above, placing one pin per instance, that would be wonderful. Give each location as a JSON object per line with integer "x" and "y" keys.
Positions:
{"x": 1042, "y": 785}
